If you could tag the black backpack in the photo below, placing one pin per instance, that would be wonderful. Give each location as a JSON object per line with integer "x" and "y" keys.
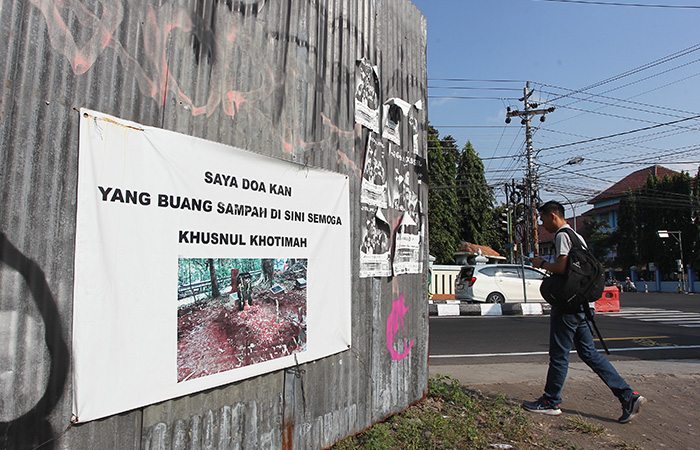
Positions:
{"x": 583, "y": 282}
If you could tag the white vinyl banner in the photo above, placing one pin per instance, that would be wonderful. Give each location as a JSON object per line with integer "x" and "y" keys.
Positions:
{"x": 198, "y": 264}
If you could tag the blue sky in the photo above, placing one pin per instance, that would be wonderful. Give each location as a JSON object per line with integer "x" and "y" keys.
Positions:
{"x": 641, "y": 66}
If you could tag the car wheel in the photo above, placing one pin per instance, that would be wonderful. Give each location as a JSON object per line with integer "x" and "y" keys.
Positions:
{"x": 495, "y": 297}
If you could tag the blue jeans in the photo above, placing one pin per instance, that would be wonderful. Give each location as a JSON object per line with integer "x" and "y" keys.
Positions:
{"x": 566, "y": 331}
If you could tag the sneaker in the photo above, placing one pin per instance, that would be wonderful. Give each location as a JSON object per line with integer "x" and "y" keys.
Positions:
{"x": 631, "y": 407}
{"x": 543, "y": 406}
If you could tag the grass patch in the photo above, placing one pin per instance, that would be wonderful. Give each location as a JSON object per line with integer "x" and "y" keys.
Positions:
{"x": 578, "y": 424}
{"x": 451, "y": 418}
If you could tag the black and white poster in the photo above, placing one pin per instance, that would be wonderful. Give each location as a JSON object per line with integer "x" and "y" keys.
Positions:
{"x": 404, "y": 179}
{"x": 394, "y": 113}
{"x": 407, "y": 255}
{"x": 374, "y": 180}
{"x": 375, "y": 251}
{"x": 413, "y": 127}
{"x": 367, "y": 103}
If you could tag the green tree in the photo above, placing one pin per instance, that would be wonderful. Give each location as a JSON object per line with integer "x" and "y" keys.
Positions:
{"x": 477, "y": 216}
{"x": 442, "y": 200}
{"x": 661, "y": 204}
{"x": 627, "y": 237}
{"x": 694, "y": 259}
{"x": 600, "y": 240}
{"x": 215, "y": 292}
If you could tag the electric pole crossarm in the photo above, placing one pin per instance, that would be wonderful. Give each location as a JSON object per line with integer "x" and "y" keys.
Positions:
{"x": 529, "y": 113}
{"x": 531, "y": 181}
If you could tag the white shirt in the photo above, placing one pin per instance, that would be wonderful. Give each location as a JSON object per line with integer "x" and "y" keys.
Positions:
{"x": 562, "y": 242}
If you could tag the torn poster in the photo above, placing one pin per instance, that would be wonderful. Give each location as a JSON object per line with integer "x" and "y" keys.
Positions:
{"x": 413, "y": 127}
{"x": 375, "y": 251}
{"x": 407, "y": 254}
{"x": 394, "y": 111}
{"x": 404, "y": 179}
{"x": 374, "y": 183}
{"x": 367, "y": 95}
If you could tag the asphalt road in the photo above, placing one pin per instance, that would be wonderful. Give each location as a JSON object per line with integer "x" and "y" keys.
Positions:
{"x": 649, "y": 327}
{"x": 655, "y": 343}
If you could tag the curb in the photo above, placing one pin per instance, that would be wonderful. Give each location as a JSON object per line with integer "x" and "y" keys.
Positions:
{"x": 487, "y": 309}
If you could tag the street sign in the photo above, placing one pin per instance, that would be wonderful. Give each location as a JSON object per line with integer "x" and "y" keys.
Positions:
{"x": 519, "y": 232}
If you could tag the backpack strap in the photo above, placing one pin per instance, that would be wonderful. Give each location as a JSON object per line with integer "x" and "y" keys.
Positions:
{"x": 590, "y": 320}
{"x": 575, "y": 240}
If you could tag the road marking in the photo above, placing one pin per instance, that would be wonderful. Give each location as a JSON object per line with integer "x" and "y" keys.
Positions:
{"x": 667, "y": 313}
{"x": 663, "y": 316}
{"x": 661, "y": 319}
{"x": 633, "y": 338}
{"x": 630, "y": 349}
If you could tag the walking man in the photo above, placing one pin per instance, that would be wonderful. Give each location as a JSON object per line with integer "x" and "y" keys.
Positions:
{"x": 569, "y": 330}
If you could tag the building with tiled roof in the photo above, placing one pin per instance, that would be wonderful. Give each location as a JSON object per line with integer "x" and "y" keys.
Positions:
{"x": 607, "y": 203}
{"x": 605, "y": 206}
{"x": 468, "y": 251}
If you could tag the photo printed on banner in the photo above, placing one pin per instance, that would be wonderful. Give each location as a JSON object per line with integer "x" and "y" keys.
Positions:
{"x": 394, "y": 111}
{"x": 407, "y": 254}
{"x": 375, "y": 251}
{"x": 374, "y": 183}
{"x": 367, "y": 104}
{"x": 250, "y": 311}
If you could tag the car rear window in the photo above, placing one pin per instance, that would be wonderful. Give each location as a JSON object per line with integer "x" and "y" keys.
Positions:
{"x": 488, "y": 271}
{"x": 466, "y": 272}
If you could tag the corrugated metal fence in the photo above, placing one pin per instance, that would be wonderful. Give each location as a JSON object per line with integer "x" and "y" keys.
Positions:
{"x": 272, "y": 76}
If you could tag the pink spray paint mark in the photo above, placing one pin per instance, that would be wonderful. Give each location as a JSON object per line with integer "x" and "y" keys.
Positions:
{"x": 398, "y": 311}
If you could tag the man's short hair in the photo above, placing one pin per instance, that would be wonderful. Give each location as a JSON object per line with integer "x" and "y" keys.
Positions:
{"x": 551, "y": 207}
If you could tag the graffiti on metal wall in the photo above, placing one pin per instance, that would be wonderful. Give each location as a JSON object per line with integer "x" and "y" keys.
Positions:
{"x": 24, "y": 418}
{"x": 97, "y": 32}
{"x": 390, "y": 207}
{"x": 228, "y": 38}
{"x": 394, "y": 326}
{"x": 222, "y": 37}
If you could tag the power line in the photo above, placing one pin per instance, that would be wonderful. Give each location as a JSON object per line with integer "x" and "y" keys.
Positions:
{"x": 468, "y": 126}
{"x": 646, "y": 105}
{"x": 645, "y": 162}
{"x": 636, "y": 5}
{"x": 467, "y": 80}
{"x": 471, "y": 88}
{"x": 622, "y": 133}
{"x": 629, "y": 84}
{"x": 637, "y": 69}
{"x": 635, "y": 143}
{"x": 459, "y": 97}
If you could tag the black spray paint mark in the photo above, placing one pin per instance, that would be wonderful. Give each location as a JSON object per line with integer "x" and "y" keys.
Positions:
{"x": 33, "y": 427}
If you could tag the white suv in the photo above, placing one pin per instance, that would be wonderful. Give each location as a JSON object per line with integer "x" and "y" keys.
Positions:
{"x": 498, "y": 283}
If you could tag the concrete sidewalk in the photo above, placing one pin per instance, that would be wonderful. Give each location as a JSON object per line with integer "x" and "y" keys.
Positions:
{"x": 669, "y": 420}
{"x": 485, "y": 374}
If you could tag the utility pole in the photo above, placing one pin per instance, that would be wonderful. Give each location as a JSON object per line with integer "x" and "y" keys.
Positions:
{"x": 531, "y": 183}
